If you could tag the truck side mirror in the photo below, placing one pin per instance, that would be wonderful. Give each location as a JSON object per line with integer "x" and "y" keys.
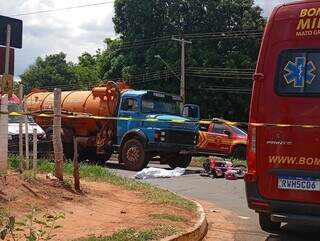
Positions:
{"x": 191, "y": 111}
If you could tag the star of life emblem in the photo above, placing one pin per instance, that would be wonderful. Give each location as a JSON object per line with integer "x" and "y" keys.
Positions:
{"x": 300, "y": 72}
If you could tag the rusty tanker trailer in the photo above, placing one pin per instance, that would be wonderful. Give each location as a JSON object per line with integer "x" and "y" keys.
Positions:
{"x": 136, "y": 141}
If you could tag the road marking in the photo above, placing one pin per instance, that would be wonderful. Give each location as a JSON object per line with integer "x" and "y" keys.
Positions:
{"x": 244, "y": 218}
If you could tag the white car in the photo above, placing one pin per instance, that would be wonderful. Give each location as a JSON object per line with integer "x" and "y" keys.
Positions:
{"x": 13, "y": 130}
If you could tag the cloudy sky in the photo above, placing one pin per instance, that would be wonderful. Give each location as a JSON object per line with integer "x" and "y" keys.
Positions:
{"x": 72, "y": 31}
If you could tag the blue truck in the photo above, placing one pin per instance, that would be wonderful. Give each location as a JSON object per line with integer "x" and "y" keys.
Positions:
{"x": 139, "y": 125}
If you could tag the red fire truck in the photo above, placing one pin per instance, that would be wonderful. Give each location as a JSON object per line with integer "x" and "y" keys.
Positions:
{"x": 283, "y": 153}
{"x": 222, "y": 139}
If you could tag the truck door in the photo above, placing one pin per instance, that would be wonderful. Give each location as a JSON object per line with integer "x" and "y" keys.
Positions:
{"x": 217, "y": 139}
{"x": 129, "y": 108}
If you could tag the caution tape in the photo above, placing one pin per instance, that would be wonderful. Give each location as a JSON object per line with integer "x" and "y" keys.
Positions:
{"x": 203, "y": 122}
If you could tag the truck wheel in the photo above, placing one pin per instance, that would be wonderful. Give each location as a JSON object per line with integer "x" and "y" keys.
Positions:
{"x": 101, "y": 159}
{"x": 239, "y": 153}
{"x": 90, "y": 154}
{"x": 177, "y": 160}
{"x": 68, "y": 151}
{"x": 267, "y": 225}
{"x": 133, "y": 155}
{"x": 86, "y": 154}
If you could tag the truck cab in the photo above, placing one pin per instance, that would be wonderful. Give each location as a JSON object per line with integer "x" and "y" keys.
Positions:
{"x": 136, "y": 124}
{"x": 151, "y": 124}
{"x": 221, "y": 139}
{"x": 283, "y": 179}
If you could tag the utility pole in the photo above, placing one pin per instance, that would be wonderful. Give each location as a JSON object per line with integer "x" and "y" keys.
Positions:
{"x": 183, "y": 56}
{"x": 4, "y": 108}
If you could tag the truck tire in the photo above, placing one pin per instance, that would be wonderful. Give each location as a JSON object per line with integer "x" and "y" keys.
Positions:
{"x": 101, "y": 159}
{"x": 176, "y": 160}
{"x": 68, "y": 150}
{"x": 267, "y": 225}
{"x": 133, "y": 155}
{"x": 90, "y": 154}
{"x": 239, "y": 153}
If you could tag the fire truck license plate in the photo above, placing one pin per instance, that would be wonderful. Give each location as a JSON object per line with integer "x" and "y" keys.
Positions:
{"x": 299, "y": 183}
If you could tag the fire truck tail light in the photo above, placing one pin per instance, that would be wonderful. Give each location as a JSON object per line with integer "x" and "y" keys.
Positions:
{"x": 259, "y": 205}
{"x": 254, "y": 140}
{"x": 251, "y": 175}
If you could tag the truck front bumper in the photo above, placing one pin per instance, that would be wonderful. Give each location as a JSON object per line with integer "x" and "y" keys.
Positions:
{"x": 283, "y": 211}
{"x": 163, "y": 147}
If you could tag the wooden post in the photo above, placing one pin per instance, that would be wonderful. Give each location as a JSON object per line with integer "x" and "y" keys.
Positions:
{"x": 57, "y": 142}
{"x": 35, "y": 151}
{"x": 26, "y": 133}
{"x": 4, "y": 135}
{"x": 21, "y": 128}
{"x": 76, "y": 173}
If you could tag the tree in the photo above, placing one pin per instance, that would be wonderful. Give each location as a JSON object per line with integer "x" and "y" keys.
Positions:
{"x": 86, "y": 71}
{"x": 137, "y": 20}
{"x": 52, "y": 71}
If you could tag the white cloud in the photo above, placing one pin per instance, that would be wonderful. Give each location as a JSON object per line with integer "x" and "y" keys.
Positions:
{"x": 268, "y": 5}
{"x": 71, "y": 31}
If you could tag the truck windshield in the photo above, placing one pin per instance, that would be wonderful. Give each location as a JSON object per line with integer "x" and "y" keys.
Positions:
{"x": 238, "y": 131}
{"x": 15, "y": 119}
{"x": 160, "y": 106}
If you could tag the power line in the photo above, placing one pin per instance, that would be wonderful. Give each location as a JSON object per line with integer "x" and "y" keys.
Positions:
{"x": 226, "y": 90}
{"x": 220, "y": 73}
{"x": 134, "y": 79}
{"x": 196, "y": 36}
{"x": 164, "y": 74}
{"x": 61, "y": 9}
{"x": 223, "y": 33}
{"x": 219, "y": 77}
{"x": 222, "y": 69}
{"x": 226, "y": 36}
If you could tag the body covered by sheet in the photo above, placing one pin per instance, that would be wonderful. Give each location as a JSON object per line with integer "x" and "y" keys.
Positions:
{"x": 153, "y": 172}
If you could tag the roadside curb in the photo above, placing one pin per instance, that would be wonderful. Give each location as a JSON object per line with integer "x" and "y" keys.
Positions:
{"x": 195, "y": 233}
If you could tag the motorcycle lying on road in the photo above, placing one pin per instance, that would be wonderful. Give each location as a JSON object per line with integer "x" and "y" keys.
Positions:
{"x": 217, "y": 167}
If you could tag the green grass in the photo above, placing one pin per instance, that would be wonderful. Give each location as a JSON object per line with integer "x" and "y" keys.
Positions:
{"x": 198, "y": 161}
{"x": 170, "y": 217}
{"x": 155, "y": 233}
{"x": 28, "y": 176}
{"x": 99, "y": 173}
{"x": 239, "y": 162}
{"x": 14, "y": 162}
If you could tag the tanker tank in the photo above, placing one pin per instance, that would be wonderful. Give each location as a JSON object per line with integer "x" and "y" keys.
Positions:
{"x": 100, "y": 101}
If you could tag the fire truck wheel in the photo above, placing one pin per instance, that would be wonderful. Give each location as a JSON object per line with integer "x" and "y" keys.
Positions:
{"x": 239, "y": 153}
{"x": 133, "y": 155}
{"x": 177, "y": 160}
{"x": 267, "y": 225}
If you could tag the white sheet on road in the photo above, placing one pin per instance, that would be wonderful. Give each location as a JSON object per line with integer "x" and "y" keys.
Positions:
{"x": 153, "y": 172}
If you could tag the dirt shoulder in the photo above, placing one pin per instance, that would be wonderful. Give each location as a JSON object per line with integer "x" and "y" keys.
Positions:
{"x": 220, "y": 224}
{"x": 100, "y": 209}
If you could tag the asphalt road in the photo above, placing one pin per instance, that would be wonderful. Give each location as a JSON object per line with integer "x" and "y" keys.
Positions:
{"x": 228, "y": 195}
